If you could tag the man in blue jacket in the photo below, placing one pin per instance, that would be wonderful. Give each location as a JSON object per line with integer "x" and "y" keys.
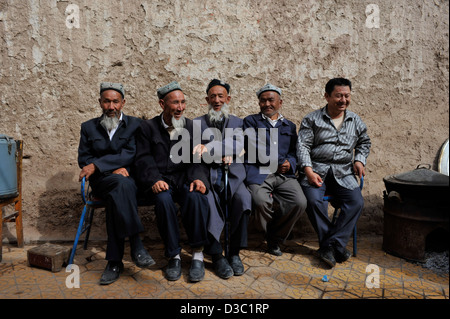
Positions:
{"x": 106, "y": 152}
{"x": 278, "y": 200}
{"x": 223, "y": 142}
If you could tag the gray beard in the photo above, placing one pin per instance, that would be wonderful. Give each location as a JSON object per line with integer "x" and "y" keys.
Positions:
{"x": 216, "y": 116}
{"x": 177, "y": 124}
{"x": 109, "y": 123}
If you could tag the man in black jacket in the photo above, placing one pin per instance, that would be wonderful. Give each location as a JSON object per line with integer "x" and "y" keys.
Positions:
{"x": 167, "y": 175}
{"x": 105, "y": 155}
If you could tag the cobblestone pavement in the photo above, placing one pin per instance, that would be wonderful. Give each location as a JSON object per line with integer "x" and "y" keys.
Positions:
{"x": 297, "y": 274}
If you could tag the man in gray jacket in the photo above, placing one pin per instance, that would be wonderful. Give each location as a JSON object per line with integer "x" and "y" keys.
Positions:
{"x": 221, "y": 144}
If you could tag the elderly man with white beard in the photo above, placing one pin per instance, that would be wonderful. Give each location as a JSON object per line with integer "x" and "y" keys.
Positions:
{"x": 105, "y": 155}
{"x": 165, "y": 180}
{"x": 222, "y": 144}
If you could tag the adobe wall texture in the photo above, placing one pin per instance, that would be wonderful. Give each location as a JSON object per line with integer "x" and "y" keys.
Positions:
{"x": 54, "y": 54}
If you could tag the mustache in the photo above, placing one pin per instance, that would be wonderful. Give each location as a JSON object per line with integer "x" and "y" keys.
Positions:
{"x": 110, "y": 112}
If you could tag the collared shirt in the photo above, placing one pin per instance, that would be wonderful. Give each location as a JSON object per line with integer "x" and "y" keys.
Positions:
{"x": 164, "y": 123}
{"x": 170, "y": 129}
{"x": 273, "y": 122}
{"x": 323, "y": 147}
{"x": 111, "y": 133}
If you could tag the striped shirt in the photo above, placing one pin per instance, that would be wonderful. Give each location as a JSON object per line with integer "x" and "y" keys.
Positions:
{"x": 321, "y": 146}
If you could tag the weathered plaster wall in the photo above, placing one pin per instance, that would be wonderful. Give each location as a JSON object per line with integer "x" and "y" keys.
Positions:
{"x": 54, "y": 54}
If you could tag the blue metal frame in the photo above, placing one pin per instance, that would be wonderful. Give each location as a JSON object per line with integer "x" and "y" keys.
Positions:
{"x": 85, "y": 226}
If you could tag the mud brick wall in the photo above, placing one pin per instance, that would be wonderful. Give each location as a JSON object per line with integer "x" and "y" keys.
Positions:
{"x": 54, "y": 54}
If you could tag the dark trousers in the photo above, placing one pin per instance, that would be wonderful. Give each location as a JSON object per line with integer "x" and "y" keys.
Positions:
{"x": 122, "y": 219}
{"x": 238, "y": 238}
{"x": 351, "y": 203}
{"x": 194, "y": 215}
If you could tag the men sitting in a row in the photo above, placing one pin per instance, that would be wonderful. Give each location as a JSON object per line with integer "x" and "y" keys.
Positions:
{"x": 260, "y": 153}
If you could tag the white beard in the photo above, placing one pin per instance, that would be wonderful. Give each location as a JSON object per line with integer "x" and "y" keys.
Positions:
{"x": 216, "y": 116}
{"x": 109, "y": 123}
{"x": 177, "y": 124}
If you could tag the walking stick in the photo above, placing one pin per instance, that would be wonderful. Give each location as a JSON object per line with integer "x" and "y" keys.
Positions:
{"x": 227, "y": 219}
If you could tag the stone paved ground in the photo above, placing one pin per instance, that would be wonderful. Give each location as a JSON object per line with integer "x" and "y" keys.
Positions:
{"x": 297, "y": 274}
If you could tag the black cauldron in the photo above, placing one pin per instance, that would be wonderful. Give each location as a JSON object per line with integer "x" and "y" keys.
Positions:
{"x": 421, "y": 184}
{"x": 416, "y": 206}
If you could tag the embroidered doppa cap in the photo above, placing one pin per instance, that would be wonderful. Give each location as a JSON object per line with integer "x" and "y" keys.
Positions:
{"x": 112, "y": 86}
{"x": 172, "y": 86}
{"x": 268, "y": 87}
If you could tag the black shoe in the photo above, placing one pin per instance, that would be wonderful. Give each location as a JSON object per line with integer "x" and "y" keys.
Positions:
{"x": 111, "y": 272}
{"x": 273, "y": 248}
{"x": 142, "y": 259}
{"x": 173, "y": 270}
{"x": 236, "y": 264}
{"x": 342, "y": 256}
{"x": 197, "y": 271}
{"x": 222, "y": 268}
{"x": 327, "y": 255}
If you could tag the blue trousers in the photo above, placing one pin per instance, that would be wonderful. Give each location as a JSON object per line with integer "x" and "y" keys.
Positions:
{"x": 194, "y": 216}
{"x": 351, "y": 203}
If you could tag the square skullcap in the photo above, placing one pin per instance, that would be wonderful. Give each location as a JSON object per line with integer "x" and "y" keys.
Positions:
{"x": 172, "y": 86}
{"x": 215, "y": 82}
{"x": 268, "y": 87}
{"x": 112, "y": 86}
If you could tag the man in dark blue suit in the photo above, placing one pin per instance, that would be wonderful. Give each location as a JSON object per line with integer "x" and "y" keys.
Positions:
{"x": 167, "y": 175}
{"x": 222, "y": 144}
{"x": 271, "y": 163}
{"x": 105, "y": 155}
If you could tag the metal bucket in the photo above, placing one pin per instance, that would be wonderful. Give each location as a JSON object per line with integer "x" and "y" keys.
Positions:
{"x": 8, "y": 167}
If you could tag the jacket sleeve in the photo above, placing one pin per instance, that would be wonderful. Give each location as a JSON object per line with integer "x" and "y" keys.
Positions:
{"x": 304, "y": 144}
{"x": 292, "y": 156}
{"x": 195, "y": 169}
{"x": 147, "y": 172}
{"x": 250, "y": 138}
{"x": 363, "y": 144}
{"x": 85, "y": 154}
